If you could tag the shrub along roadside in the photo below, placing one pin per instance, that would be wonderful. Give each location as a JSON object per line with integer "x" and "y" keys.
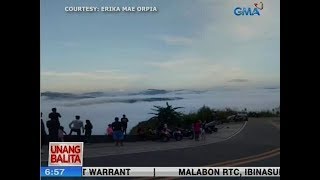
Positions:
{"x": 173, "y": 118}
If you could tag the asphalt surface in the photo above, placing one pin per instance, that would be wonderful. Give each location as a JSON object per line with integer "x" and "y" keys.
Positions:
{"x": 257, "y": 137}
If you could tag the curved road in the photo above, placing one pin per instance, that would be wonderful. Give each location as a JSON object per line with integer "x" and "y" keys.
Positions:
{"x": 258, "y": 144}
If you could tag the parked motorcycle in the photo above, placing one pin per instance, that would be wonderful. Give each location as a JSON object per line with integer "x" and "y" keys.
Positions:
{"x": 177, "y": 134}
{"x": 188, "y": 133}
{"x": 165, "y": 135}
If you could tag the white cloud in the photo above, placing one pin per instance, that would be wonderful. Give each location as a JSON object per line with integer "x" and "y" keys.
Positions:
{"x": 194, "y": 73}
{"x": 244, "y": 28}
{"x": 88, "y": 81}
{"x": 171, "y": 65}
{"x": 223, "y": 50}
{"x": 96, "y": 75}
{"x": 175, "y": 40}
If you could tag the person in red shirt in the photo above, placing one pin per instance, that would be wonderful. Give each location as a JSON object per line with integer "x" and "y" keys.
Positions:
{"x": 197, "y": 129}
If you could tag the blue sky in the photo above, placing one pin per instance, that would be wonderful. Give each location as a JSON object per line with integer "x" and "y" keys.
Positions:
{"x": 189, "y": 44}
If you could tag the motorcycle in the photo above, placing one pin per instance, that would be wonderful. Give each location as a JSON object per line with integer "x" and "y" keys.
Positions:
{"x": 210, "y": 129}
{"x": 177, "y": 134}
{"x": 165, "y": 135}
{"x": 188, "y": 133}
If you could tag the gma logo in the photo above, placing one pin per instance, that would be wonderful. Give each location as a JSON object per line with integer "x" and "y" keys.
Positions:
{"x": 238, "y": 11}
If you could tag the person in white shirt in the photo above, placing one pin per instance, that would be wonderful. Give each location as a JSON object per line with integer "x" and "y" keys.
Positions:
{"x": 76, "y": 126}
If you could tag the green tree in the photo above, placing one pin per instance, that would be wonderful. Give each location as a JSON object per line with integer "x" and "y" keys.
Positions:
{"x": 188, "y": 119}
{"x": 167, "y": 114}
{"x": 205, "y": 114}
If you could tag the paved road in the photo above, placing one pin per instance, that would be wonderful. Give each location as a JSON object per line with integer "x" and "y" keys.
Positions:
{"x": 107, "y": 149}
{"x": 259, "y": 136}
{"x": 257, "y": 145}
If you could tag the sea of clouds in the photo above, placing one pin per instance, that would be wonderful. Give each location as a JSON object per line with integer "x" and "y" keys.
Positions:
{"x": 102, "y": 110}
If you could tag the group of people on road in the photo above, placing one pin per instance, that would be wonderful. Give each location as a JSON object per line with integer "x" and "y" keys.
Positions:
{"x": 57, "y": 132}
{"x": 118, "y": 129}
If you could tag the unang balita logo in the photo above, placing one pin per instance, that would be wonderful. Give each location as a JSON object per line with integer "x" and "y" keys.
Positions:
{"x": 65, "y": 154}
{"x": 249, "y": 11}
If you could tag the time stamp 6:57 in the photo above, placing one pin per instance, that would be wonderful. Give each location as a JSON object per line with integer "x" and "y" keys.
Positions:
{"x": 61, "y": 171}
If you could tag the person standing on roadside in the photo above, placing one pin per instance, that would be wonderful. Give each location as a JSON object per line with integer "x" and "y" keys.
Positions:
{"x": 203, "y": 130}
{"x": 54, "y": 115}
{"x": 88, "y": 131}
{"x": 43, "y": 133}
{"x": 124, "y": 121}
{"x": 197, "y": 129}
{"x": 76, "y": 126}
{"x": 117, "y": 128}
{"x": 54, "y": 124}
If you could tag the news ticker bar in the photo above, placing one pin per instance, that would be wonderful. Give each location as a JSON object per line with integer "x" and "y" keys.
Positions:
{"x": 56, "y": 171}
